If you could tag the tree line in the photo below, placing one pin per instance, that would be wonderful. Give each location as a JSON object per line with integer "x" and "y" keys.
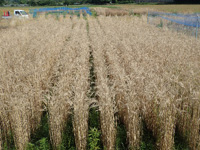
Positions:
{"x": 54, "y": 2}
{"x": 187, "y": 1}
{"x": 71, "y": 2}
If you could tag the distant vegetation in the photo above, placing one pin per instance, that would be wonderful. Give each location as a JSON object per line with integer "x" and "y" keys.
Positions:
{"x": 76, "y": 2}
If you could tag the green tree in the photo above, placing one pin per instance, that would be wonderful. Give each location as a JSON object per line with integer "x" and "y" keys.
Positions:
{"x": 66, "y": 2}
{"x": 1, "y": 2}
{"x": 33, "y": 2}
{"x": 69, "y": 2}
{"x": 23, "y": 1}
{"x": 187, "y": 1}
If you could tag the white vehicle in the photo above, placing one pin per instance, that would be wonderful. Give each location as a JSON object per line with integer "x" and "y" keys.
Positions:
{"x": 20, "y": 13}
{"x": 17, "y": 13}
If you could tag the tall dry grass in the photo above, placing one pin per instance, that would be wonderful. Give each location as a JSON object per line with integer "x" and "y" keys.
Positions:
{"x": 26, "y": 62}
{"x": 143, "y": 73}
{"x": 60, "y": 92}
{"x": 120, "y": 83}
{"x": 81, "y": 87}
{"x": 71, "y": 84}
{"x": 110, "y": 11}
{"x": 6, "y": 24}
{"x": 157, "y": 63}
{"x": 181, "y": 8}
{"x": 105, "y": 93}
{"x": 126, "y": 100}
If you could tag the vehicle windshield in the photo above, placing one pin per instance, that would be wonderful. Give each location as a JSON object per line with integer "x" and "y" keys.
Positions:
{"x": 23, "y": 12}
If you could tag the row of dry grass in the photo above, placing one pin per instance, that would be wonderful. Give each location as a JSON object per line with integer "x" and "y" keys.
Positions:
{"x": 59, "y": 95}
{"x": 110, "y": 11}
{"x": 112, "y": 78}
{"x": 105, "y": 95}
{"x": 70, "y": 79}
{"x": 81, "y": 87}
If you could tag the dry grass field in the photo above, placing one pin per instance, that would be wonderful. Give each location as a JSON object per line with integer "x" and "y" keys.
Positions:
{"x": 141, "y": 74}
{"x": 163, "y": 8}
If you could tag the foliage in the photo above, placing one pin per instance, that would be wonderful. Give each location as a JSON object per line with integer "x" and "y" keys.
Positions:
{"x": 42, "y": 131}
{"x": 148, "y": 141}
{"x": 40, "y": 140}
{"x": 1, "y": 2}
{"x": 160, "y": 25}
{"x": 45, "y": 2}
{"x": 9, "y": 142}
{"x": 68, "y": 139}
{"x": 71, "y": 2}
{"x": 121, "y": 137}
{"x": 187, "y": 1}
{"x": 42, "y": 144}
{"x": 180, "y": 141}
{"x": 94, "y": 139}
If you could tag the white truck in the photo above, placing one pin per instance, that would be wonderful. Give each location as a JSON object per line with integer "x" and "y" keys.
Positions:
{"x": 20, "y": 13}
{"x": 17, "y": 13}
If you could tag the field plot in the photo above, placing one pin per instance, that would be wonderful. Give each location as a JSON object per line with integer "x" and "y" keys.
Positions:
{"x": 86, "y": 76}
{"x": 163, "y": 8}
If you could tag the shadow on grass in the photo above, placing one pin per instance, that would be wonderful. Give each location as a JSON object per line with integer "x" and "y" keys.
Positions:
{"x": 121, "y": 138}
{"x": 68, "y": 139}
{"x": 180, "y": 143}
{"x": 40, "y": 140}
{"x": 148, "y": 141}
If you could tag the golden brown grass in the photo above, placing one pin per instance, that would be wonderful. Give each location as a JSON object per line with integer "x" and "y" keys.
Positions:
{"x": 143, "y": 73}
{"x": 27, "y": 58}
{"x": 110, "y": 11}
{"x": 81, "y": 101}
{"x": 59, "y": 101}
{"x": 119, "y": 84}
{"x": 105, "y": 93}
{"x": 164, "y": 8}
{"x": 5, "y": 24}
{"x": 71, "y": 84}
{"x": 154, "y": 62}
